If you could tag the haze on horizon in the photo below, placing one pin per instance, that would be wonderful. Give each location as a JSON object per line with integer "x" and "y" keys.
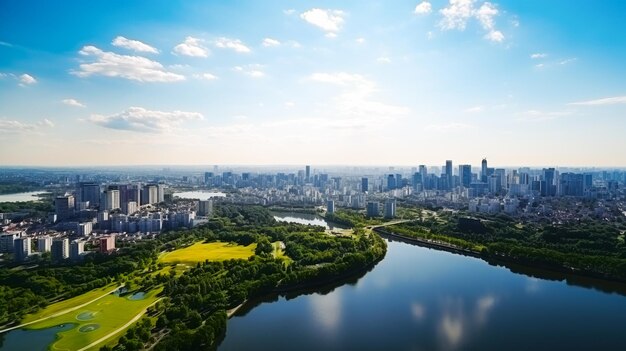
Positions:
{"x": 529, "y": 83}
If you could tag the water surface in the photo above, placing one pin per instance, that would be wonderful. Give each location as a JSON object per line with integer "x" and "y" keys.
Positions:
{"x": 32, "y": 340}
{"x": 304, "y": 218}
{"x": 423, "y": 299}
{"x": 199, "y": 195}
{"x": 21, "y": 197}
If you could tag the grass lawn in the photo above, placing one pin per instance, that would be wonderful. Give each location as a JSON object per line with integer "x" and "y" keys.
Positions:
{"x": 96, "y": 320}
{"x": 69, "y": 303}
{"x": 279, "y": 252}
{"x": 199, "y": 252}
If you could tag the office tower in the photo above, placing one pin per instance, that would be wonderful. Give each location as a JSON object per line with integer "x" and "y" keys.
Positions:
{"x": 330, "y": 206}
{"x": 160, "y": 193}
{"x": 449, "y": 175}
{"x": 390, "y": 208}
{"x": 44, "y": 244}
{"x": 111, "y": 200}
{"x": 423, "y": 171}
{"x": 22, "y": 248}
{"x": 364, "y": 184}
{"x": 77, "y": 247}
{"x": 588, "y": 181}
{"x": 417, "y": 182}
{"x": 7, "y": 241}
{"x": 465, "y": 175}
{"x": 500, "y": 174}
{"x": 149, "y": 195}
{"x": 391, "y": 182}
{"x": 483, "y": 171}
{"x": 134, "y": 194}
{"x": 373, "y": 209}
{"x": 60, "y": 249}
{"x": 572, "y": 184}
{"x": 89, "y": 192}
{"x": 308, "y": 173}
{"x": 64, "y": 207}
{"x": 107, "y": 243}
{"x": 205, "y": 208}
{"x": 548, "y": 183}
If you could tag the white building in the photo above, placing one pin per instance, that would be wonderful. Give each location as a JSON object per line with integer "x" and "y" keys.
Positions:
{"x": 84, "y": 228}
{"x": 44, "y": 244}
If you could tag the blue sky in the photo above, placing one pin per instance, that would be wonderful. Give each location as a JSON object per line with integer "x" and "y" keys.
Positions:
{"x": 326, "y": 82}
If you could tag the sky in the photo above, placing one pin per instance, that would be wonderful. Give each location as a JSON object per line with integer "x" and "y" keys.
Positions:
{"x": 522, "y": 83}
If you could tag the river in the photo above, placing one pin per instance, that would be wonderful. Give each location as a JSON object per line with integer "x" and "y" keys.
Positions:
{"x": 199, "y": 195}
{"x": 423, "y": 299}
{"x": 27, "y": 196}
{"x": 304, "y": 218}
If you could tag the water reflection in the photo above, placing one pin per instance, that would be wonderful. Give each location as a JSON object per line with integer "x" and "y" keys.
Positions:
{"x": 418, "y": 311}
{"x": 458, "y": 323}
{"x": 326, "y": 310}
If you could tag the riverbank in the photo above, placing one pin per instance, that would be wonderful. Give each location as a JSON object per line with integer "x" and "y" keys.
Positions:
{"x": 581, "y": 277}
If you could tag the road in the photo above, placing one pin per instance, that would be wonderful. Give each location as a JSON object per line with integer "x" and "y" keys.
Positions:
{"x": 60, "y": 313}
{"x": 111, "y": 334}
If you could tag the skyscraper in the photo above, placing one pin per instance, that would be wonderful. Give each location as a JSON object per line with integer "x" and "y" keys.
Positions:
{"x": 22, "y": 248}
{"x": 483, "y": 171}
{"x": 390, "y": 208}
{"x": 373, "y": 209}
{"x": 364, "y": 184}
{"x": 330, "y": 206}
{"x": 89, "y": 192}
{"x": 308, "y": 173}
{"x": 391, "y": 182}
{"x": 465, "y": 175}
{"x": 449, "y": 175}
{"x": 60, "y": 249}
{"x": 111, "y": 199}
{"x": 64, "y": 207}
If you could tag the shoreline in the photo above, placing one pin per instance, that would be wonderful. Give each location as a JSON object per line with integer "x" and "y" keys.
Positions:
{"x": 543, "y": 271}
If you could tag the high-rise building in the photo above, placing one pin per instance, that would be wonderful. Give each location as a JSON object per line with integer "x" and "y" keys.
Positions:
{"x": 330, "y": 206}
{"x": 150, "y": 194}
{"x": 77, "y": 248}
{"x": 7, "y": 241}
{"x": 160, "y": 192}
{"x": 107, "y": 243}
{"x": 89, "y": 192}
{"x": 60, "y": 249}
{"x": 111, "y": 199}
{"x": 64, "y": 207}
{"x": 548, "y": 183}
{"x": 84, "y": 228}
{"x": 391, "y": 182}
{"x": 465, "y": 175}
{"x": 308, "y": 173}
{"x": 449, "y": 175}
{"x": 208, "y": 177}
{"x": 417, "y": 182}
{"x": 205, "y": 208}
{"x": 483, "y": 171}
{"x": 44, "y": 244}
{"x": 390, "y": 208}
{"x": 571, "y": 184}
{"x": 373, "y": 209}
{"x": 22, "y": 248}
{"x": 364, "y": 184}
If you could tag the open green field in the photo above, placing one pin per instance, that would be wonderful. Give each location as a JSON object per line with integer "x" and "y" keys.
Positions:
{"x": 69, "y": 303}
{"x": 96, "y": 320}
{"x": 199, "y": 252}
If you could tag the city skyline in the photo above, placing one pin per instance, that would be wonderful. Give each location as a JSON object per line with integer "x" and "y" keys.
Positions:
{"x": 334, "y": 83}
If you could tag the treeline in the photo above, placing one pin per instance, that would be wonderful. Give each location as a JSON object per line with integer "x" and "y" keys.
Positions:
{"x": 351, "y": 218}
{"x": 13, "y": 187}
{"x": 589, "y": 247}
{"x": 37, "y": 206}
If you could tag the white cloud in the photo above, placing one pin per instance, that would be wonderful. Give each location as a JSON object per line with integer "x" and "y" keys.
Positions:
{"x": 234, "y": 44}
{"x": 328, "y": 20}
{"x": 383, "y": 59}
{"x": 72, "y": 102}
{"x": 605, "y": 101}
{"x": 252, "y": 70}
{"x": 192, "y": 47}
{"x": 134, "y": 45}
{"x": 566, "y": 61}
{"x": 205, "y": 76}
{"x": 289, "y": 12}
{"x": 269, "y": 42}
{"x": 538, "y": 55}
{"x": 139, "y": 119}
{"x": 27, "y": 79}
{"x": 537, "y": 115}
{"x": 360, "y": 40}
{"x": 15, "y": 127}
{"x": 423, "y": 8}
{"x": 540, "y": 65}
{"x": 110, "y": 64}
{"x": 475, "y": 109}
{"x": 458, "y": 13}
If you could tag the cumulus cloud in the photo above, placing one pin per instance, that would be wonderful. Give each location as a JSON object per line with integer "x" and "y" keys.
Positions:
{"x": 110, "y": 64}
{"x": 205, "y": 76}
{"x": 538, "y": 55}
{"x": 269, "y": 42}
{"x": 27, "y": 79}
{"x": 134, "y": 45}
{"x": 234, "y": 44}
{"x": 72, "y": 102}
{"x": 192, "y": 47}
{"x": 328, "y": 20}
{"x": 139, "y": 119}
{"x": 252, "y": 70}
{"x": 459, "y": 12}
{"x": 599, "y": 102}
{"x": 15, "y": 127}
{"x": 423, "y": 7}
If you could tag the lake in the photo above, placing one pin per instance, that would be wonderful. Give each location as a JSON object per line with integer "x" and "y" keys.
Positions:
{"x": 423, "y": 299}
{"x": 199, "y": 195}
{"x": 304, "y": 218}
{"x": 27, "y": 196}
